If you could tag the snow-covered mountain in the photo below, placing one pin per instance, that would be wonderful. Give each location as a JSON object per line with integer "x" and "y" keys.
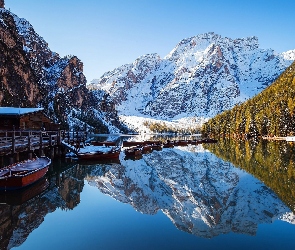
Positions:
{"x": 200, "y": 193}
{"x": 200, "y": 77}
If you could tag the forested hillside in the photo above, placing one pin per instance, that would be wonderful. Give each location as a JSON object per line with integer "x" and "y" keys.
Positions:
{"x": 271, "y": 112}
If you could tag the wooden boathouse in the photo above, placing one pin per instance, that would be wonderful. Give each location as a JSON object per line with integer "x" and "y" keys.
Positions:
{"x": 24, "y": 119}
{"x": 24, "y": 130}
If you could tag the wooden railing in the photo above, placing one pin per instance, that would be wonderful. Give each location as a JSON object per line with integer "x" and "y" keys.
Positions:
{"x": 27, "y": 140}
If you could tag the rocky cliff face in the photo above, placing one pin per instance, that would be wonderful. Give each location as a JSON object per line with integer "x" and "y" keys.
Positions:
{"x": 200, "y": 77}
{"x": 32, "y": 75}
{"x": 199, "y": 193}
{"x": 17, "y": 75}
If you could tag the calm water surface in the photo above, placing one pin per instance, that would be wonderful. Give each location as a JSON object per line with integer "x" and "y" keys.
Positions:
{"x": 181, "y": 198}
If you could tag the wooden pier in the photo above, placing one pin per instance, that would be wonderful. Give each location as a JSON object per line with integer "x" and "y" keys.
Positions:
{"x": 19, "y": 141}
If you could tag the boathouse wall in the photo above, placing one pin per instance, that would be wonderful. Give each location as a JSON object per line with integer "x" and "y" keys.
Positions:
{"x": 30, "y": 121}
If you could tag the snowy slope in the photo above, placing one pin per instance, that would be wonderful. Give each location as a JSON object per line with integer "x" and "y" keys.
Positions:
{"x": 200, "y": 193}
{"x": 200, "y": 77}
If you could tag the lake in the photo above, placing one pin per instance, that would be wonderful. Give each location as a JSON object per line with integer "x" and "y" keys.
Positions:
{"x": 228, "y": 195}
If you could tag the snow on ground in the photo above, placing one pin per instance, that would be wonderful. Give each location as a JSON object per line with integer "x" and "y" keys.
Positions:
{"x": 136, "y": 123}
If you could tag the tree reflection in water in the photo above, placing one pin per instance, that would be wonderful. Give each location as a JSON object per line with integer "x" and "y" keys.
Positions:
{"x": 272, "y": 162}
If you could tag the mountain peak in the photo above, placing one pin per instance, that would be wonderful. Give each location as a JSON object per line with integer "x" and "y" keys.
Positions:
{"x": 201, "y": 77}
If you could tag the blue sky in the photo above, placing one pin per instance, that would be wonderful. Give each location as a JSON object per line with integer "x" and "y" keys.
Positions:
{"x": 106, "y": 34}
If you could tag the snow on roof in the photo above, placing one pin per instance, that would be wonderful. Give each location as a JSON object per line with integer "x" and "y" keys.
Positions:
{"x": 17, "y": 111}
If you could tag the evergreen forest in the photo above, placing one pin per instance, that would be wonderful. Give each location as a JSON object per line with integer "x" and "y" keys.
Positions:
{"x": 270, "y": 113}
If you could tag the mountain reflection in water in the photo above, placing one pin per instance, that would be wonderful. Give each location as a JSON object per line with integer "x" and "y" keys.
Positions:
{"x": 200, "y": 193}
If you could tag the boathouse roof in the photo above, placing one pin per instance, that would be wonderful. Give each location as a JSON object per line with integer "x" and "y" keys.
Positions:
{"x": 10, "y": 111}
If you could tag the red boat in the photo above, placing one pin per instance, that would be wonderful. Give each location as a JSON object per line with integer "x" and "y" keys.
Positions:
{"x": 24, "y": 173}
{"x": 98, "y": 155}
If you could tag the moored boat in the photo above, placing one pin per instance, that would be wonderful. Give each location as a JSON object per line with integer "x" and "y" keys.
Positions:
{"x": 99, "y": 153}
{"x": 24, "y": 173}
{"x": 135, "y": 151}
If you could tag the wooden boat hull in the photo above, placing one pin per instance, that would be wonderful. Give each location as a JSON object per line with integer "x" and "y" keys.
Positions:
{"x": 133, "y": 152}
{"x": 99, "y": 156}
{"x": 20, "y": 179}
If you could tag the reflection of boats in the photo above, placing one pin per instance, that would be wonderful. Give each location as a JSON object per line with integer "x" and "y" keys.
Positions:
{"x": 101, "y": 153}
{"x": 24, "y": 173}
{"x": 18, "y": 197}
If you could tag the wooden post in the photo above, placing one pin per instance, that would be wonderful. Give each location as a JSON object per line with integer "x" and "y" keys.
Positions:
{"x": 29, "y": 141}
{"x": 11, "y": 160}
{"x": 13, "y": 141}
{"x": 57, "y": 151}
{"x": 58, "y": 137}
{"x": 52, "y": 153}
{"x": 30, "y": 155}
{"x": 41, "y": 140}
{"x": 1, "y": 161}
{"x": 41, "y": 152}
{"x": 16, "y": 157}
